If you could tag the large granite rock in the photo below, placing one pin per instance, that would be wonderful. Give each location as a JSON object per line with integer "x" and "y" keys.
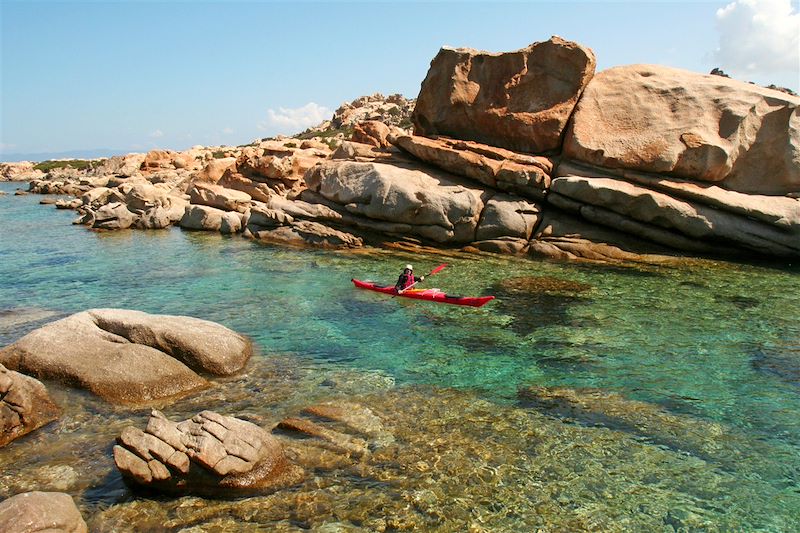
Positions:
{"x": 700, "y": 127}
{"x": 210, "y": 455}
{"x": 113, "y": 216}
{"x": 202, "y": 217}
{"x": 128, "y": 357}
{"x": 526, "y": 175}
{"x": 518, "y": 100}
{"x": 41, "y": 512}
{"x": 507, "y": 216}
{"x": 673, "y": 221}
{"x": 219, "y": 197}
{"x": 24, "y": 405}
{"x": 431, "y": 204}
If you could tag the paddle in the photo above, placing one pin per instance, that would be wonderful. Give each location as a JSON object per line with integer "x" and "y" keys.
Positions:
{"x": 429, "y": 274}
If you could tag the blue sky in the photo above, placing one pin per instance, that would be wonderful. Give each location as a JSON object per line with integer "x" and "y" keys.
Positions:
{"x": 131, "y": 76}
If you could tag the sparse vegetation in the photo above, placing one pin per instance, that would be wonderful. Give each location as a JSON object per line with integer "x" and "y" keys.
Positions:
{"x": 330, "y": 133}
{"x": 219, "y": 154}
{"x": 78, "y": 164}
{"x": 290, "y": 145}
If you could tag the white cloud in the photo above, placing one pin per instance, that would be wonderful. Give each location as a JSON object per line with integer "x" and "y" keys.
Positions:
{"x": 288, "y": 121}
{"x": 758, "y": 37}
{"x": 156, "y": 134}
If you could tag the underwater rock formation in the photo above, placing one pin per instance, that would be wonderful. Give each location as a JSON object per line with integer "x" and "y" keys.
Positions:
{"x": 210, "y": 454}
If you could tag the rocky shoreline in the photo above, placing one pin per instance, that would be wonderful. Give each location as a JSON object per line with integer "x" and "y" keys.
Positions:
{"x": 528, "y": 153}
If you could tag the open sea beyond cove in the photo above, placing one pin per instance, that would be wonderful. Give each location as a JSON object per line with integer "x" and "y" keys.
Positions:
{"x": 584, "y": 397}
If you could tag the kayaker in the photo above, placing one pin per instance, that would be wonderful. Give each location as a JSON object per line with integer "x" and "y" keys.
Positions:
{"x": 407, "y": 279}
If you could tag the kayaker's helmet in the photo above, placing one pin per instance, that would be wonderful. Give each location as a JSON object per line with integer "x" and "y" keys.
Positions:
{"x": 409, "y": 267}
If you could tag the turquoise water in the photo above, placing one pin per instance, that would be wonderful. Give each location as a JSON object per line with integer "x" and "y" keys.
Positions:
{"x": 716, "y": 341}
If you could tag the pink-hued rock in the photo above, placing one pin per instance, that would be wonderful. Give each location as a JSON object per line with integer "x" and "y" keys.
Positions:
{"x": 498, "y": 168}
{"x": 211, "y": 195}
{"x": 25, "y": 405}
{"x": 518, "y": 100}
{"x": 42, "y": 512}
{"x": 210, "y": 454}
{"x": 706, "y": 128}
{"x": 129, "y": 357}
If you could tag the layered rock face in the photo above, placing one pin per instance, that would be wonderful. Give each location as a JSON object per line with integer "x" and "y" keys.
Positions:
{"x": 25, "y": 405}
{"x": 697, "y": 127}
{"x": 129, "y": 357}
{"x": 517, "y": 100}
{"x": 52, "y": 512}
{"x": 524, "y": 152}
{"x": 209, "y": 455}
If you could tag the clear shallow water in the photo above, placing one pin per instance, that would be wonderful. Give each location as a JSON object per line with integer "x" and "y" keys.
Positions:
{"x": 714, "y": 341}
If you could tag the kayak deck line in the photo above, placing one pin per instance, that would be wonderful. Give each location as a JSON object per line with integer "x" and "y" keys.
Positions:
{"x": 431, "y": 295}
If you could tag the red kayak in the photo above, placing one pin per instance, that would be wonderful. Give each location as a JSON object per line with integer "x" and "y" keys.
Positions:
{"x": 432, "y": 295}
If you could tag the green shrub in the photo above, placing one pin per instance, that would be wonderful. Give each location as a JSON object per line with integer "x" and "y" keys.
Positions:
{"x": 79, "y": 164}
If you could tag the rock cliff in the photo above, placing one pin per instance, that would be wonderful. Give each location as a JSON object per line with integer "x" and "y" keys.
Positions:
{"x": 526, "y": 152}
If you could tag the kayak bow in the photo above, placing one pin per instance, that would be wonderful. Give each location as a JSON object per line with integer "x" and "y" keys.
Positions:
{"x": 431, "y": 295}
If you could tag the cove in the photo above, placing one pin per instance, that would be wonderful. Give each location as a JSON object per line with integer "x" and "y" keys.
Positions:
{"x": 713, "y": 343}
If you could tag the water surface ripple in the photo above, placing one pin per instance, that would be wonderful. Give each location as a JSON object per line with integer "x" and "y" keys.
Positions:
{"x": 701, "y": 345}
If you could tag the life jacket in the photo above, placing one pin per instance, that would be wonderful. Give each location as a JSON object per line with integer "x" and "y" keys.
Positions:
{"x": 404, "y": 281}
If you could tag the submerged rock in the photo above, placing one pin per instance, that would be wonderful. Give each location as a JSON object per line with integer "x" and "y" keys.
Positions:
{"x": 708, "y": 440}
{"x": 537, "y": 302}
{"x": 210, "y": 454}
{"x": 51, "y": 512}
{"x": 781, "y": 361}
{"x": 129, "y": 357}
{"x": 25, "y": 405}
{"x": 445, "y": 460}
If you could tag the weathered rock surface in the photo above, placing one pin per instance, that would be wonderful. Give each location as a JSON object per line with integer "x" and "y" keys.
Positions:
{"x": 372, "y": 132}
{"x": 49, "y": 512}
{"x": 114, "y": 216}
{"x": 434, "y": 206}
{"x": 20, "y": 171}
{"x": 501, "y": 169}
{"x": 209, "y": 455}
{"x": 648, "y": 213}
{"x": 25, "y": 405}
{"x": 507, "y": 216}
{"x": 308, "y": 233}
{"x": 256, "y": 190}
{"x": 214, "y": 169}
{"x": 128, "y": 357}
{"x": 202, "y": 345}
{"x": 699, "y": 127}
{"x": 216, "y": 196}
{"x": 201, "y": 217}
{"x": 561, "y": 235}
{"x": 517, "y": 100}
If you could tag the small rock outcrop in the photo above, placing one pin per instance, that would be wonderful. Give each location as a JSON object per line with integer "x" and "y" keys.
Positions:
{"x": 413, "y": 200}
{"x": 129, "y": 357}
{"x": 31, "y": 512}
{"x": 209, "y": 455}
{"x": 25, "y": 405}
{"x": 518, "y": 100}
{"x": 698, "y": 127}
